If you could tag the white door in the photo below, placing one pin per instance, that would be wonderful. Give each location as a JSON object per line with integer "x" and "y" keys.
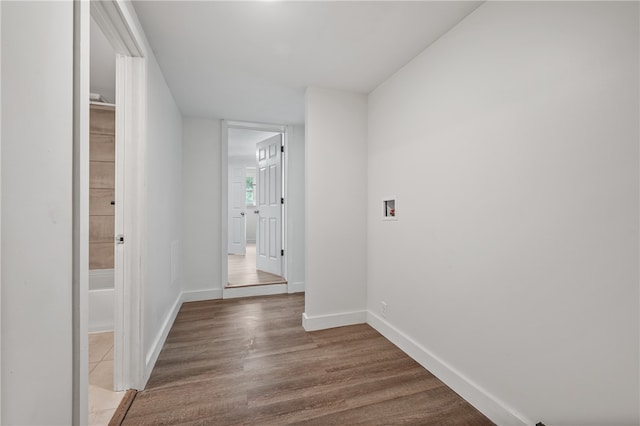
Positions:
{"x": 237, "y": 204}
{"x": 269, "y": 205}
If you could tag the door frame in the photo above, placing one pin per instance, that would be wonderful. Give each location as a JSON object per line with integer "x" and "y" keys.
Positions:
{"x": 224, "y": 182}
{"x": 117, "y": 21}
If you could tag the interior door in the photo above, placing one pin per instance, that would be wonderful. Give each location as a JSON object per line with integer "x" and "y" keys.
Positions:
{"x": 237, "y": 214}
{"x": 269, "y": 205}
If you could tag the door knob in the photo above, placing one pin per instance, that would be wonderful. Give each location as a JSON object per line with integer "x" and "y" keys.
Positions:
{"x": 256, "y": 211}
{"x": 241, "y": 213}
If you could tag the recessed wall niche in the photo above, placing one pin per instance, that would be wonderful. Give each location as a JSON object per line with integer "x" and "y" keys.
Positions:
{"x": 389, "y": 209}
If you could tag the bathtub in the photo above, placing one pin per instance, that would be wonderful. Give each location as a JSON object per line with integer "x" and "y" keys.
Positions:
{"x": 101, "y": 300}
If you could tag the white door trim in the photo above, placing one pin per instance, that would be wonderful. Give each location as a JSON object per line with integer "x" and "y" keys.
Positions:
{"x": 130, "y": 205}
{"x": 121, "y": 28}
{"x": 285, "y": 211}
{"x": 80, "y": 221}
{"x": 224, "y": 182}
{"x": 116, "y": 23}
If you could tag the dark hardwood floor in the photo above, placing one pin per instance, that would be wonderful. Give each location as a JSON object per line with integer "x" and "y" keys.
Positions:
{"x": 249, "y": 361}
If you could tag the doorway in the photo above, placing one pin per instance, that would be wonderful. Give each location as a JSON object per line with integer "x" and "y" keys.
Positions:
{"x": 255, "y": 252}
{"x": 103, "y": 398}
{"x": 115, "y": 22}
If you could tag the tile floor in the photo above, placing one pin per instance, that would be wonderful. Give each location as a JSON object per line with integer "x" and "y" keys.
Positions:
{"x": 103, "y": 401}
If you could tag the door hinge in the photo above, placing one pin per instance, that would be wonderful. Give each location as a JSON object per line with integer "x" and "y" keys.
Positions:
{"x": 282, "y": 200}
{"x": 282, "y": 252}
{"x": 281, "y": 148}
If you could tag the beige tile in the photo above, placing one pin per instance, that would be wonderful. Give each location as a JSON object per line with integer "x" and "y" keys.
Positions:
{"x": 101, "y": 399}
{"x": 102, "y": 375}
{"x": 99, "y": 345}
{"x": 92, "y": 365}
{"x": 109, "y": 355}
{"x": 101, "y": 418}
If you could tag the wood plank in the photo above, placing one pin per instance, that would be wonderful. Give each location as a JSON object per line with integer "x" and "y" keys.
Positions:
{"x": 123, "y": 407}
{"x": 102, "y": 147}
{"x": 101, "y": 229}
{"x": 101, "y": 255}
{"x": 100, "y": 202}
{"x": 102, "y": 119}
{"x": 249, "y": 361}
{"x": 102, "y": 175}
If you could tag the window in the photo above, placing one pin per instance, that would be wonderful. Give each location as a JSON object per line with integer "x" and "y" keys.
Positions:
{"x": 250, "y": 191}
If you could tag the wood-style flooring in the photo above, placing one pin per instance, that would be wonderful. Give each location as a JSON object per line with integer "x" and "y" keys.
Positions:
{"x": 250, "y": 362}
{"x": 243, "y": 273}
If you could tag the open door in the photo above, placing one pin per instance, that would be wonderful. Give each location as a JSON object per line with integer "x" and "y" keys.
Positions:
{"x": 269, "y": 205}
{"x": 237, "y": 216}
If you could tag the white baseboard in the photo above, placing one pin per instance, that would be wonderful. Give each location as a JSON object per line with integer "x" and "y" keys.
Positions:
{"x": 158, "y": 343}
{"x": 198, "y": 295}
{"x": 321, "y": 322}
{"x": 258, "y": 290}
{"x": 487, "y": 404}
{"x": 296, "y": 287}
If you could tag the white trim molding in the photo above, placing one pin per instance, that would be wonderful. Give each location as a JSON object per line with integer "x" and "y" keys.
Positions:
{"x": 322, "y": 322}
{"x": 258, "y": 290}
{"x": 496, "y": 410}
{"x": 297, "y": 287}
{"x": 199, "y": 295}
{"x": 131, "y": 96}
{"x": 80, "y": 263}
{"x": 113, "y": 22}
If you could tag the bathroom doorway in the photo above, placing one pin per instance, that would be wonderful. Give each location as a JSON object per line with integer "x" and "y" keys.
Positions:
{"x": 103, "y": 399}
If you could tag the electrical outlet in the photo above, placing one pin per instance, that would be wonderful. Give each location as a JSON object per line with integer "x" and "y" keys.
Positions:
{"x": 383, "y": 309}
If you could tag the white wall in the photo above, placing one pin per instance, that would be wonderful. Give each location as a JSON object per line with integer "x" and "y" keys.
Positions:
{"x": 336, "y": 179}
{"x": 37, "y": 111}
{"x": 103, "y": 65}
{"x": 295, "y": 208}
{"x": 201, "y": 200}
{"x": 163, "y": 209}
{"x": 512, "y": 145}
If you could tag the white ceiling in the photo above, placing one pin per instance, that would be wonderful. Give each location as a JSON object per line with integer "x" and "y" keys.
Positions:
{"x": 253, "y": 60}
{"x": 242, "y": 142}
{"x": 102, "y": 65}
